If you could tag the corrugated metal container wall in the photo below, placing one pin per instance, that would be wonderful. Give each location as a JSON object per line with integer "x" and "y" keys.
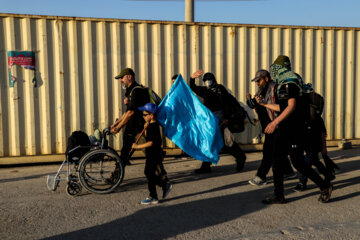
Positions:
{"x": 77, "y": 59}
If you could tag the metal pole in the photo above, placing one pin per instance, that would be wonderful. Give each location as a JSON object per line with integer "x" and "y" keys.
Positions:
{"x": 189, "y": 10}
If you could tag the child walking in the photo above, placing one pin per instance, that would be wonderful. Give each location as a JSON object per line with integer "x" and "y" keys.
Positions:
{"x": 154, "y": 169}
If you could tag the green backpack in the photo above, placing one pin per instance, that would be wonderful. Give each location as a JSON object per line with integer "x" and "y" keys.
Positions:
{"x": 154, "y": 98}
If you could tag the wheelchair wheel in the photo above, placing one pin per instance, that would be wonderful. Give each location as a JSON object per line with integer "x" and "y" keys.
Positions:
{"x": 73, "y": 188}
{"x": 100, "y": 171}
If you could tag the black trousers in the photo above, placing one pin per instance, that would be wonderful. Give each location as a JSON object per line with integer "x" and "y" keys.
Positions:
{"x": 312, "y": 158}
{"x": 267, "y": 159}
{"x": 155, "y": 174}
{"x": 292, "y": 138}
{"x": 234, "y": 150}
{"x": 129, "y": 137}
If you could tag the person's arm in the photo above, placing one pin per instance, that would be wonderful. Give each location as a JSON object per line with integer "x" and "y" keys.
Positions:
{"x": 271, "y": 106}
{"x": 198, "y": 90}
{"x": 117, "y": 121}
{"x": 141, "y": 146}
{"x": 270, "y": 128}
{"x": 125, "y": 118}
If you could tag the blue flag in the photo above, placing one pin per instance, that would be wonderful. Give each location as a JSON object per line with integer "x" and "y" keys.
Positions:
{"x": 189, "y": 124}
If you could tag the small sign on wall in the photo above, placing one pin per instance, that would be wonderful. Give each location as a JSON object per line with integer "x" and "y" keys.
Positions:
{"x": 25, "y": 59}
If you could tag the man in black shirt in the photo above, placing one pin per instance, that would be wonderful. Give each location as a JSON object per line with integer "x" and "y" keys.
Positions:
{"x": 291, "y": 123}
{"x": 266, "y": 94}
{"x": 214, "y": 96}
{"x": 135, "y": 97}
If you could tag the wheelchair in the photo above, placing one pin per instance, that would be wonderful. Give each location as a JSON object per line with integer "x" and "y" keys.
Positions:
{"x": 99, "y": 170}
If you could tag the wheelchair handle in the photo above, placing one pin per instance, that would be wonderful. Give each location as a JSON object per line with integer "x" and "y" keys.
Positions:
{"x": 104, "y": 142}
{"x": 106, "y": 131}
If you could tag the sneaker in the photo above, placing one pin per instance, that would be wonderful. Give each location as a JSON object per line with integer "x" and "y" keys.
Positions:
{"x": 300, "y": 187}
{"x": 149, "y": 200}
{"x": 203, "y": 170}
{"x": 257, "y": 181}
{"x": 166, "y": 190}
{"x": 290, "y": 176}
{"x": 325, "y": 194}
{"x": 273, "y": 200}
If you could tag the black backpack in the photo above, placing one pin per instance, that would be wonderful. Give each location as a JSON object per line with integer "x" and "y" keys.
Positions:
{"x": 236, "y": 114}
{"x": 314, "y": 100}
{"x": 77, "y": 138}
{"x": 316, "y": 104}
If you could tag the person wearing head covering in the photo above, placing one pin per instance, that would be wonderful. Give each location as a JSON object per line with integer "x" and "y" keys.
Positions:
{"x": 153, "y": 151}
{"x": 214, "y": 95}
{"x": 132, "y": 120}
{"x": 291, "y": 123}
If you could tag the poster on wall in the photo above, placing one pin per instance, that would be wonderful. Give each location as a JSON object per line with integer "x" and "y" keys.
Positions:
{"x": 25, "y": 59}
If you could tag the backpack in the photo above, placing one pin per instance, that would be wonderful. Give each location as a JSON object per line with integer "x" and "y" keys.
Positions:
{"x": 236, "y": 114}
{"x": 315, "y": 101}
{"x": 316, "y": 104}
{"x": 77, "y": 138}
{"x": 154, "y": 98}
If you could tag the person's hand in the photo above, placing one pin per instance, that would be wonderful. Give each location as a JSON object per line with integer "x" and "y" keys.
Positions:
{"x": 197, "y": 73}
{"x": 270, "y": 128}
{"x": 126, "y": 100}
{"x": 260, "y": 100}
{"x": 114, "y": 124}
{"x": 146, "y": 124}
{"x": 134, "y": 145}
{"x": 114, "y": 130}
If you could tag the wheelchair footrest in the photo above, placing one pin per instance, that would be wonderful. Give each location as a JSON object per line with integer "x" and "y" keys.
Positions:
{"x": 52, "y": 182}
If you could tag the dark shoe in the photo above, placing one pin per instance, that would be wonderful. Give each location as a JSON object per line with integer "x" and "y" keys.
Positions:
{"x": 300, "y": 187}
{"x": 166, "y": 190}
{"x": 273, "y": 200}
{"x": 290, "y": 176}
{"x": 203, "y": 170}
{"x": 149, "y": 201}
{"x": 325, "y": 194}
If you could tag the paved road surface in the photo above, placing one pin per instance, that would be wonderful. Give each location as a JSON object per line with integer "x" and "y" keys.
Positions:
{"x": 220, "y": 205}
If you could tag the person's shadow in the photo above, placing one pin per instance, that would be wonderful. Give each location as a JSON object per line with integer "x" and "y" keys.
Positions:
{"x": 162, "y": 221}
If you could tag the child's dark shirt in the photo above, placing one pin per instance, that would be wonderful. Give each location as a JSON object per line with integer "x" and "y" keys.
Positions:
{"x": 153, "y": 134}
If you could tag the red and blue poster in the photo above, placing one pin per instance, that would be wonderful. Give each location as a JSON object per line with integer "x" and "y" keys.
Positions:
{"x": 25, "y": 59}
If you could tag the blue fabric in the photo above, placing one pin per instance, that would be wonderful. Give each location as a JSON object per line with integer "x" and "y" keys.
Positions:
{"x": 189, "y": 124}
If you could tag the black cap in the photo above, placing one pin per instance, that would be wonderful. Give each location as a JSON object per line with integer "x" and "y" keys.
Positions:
{"x": 260, "y": 74}
{"x": 125, "y": 71}
{"x": 174, "y": 77}
{"x": 209, "y": 76}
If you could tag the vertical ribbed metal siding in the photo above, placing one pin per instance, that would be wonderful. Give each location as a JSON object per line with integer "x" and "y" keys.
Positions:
{"x": 78, "y": 58}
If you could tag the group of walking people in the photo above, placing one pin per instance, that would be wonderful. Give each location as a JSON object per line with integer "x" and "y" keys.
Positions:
{"x": 283, "y": 112}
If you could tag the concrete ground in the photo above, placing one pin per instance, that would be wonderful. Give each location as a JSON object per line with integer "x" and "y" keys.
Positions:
{"x": 219, "y": 205}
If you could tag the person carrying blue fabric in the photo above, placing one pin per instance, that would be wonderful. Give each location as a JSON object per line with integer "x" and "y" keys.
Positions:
{"x": 214, "y": 96}
{"x": 154, "y": 170}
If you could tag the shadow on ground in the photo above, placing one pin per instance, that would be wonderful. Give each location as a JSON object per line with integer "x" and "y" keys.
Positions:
{"x": 161, "y": 221}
